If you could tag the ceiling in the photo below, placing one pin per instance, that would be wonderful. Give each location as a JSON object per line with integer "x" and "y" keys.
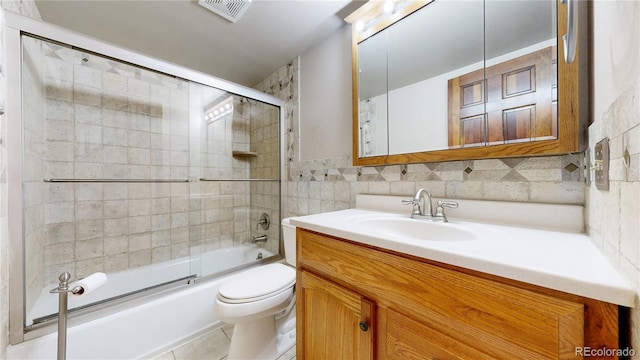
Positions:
{"x": 267, "y": 36}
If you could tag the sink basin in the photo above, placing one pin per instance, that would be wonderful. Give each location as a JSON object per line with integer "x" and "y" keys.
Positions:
{"x": 397, "y": 227}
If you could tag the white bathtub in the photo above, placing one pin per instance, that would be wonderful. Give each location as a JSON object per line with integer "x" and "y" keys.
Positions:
{"x": 150, "y": 326}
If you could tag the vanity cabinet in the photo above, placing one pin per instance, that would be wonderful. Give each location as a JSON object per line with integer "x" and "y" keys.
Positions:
{"x": 359, "y": 302}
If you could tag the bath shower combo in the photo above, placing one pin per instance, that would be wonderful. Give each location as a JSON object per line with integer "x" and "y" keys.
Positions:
{"x": 162, "y": 177}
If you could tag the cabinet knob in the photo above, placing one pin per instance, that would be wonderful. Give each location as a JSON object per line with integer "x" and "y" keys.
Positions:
{"x": 364, "y": 326}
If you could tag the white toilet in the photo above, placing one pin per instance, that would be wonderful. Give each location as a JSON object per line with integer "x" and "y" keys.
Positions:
{"x": 260, "y": 302}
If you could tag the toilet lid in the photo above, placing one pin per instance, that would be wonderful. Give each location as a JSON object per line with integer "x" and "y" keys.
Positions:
{"x": 258, "y": 282}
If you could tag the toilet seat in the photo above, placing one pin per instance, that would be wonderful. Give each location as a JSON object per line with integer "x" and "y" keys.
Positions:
{"x": 258, "y": 284}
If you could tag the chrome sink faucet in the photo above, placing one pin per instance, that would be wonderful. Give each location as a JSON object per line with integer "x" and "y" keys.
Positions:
{"x": 421, "y": 204}
{"x": 422, "y": 207}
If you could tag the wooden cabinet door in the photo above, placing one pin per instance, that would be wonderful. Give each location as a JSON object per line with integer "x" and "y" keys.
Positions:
{"x": 408, "y": 339}
{"x": 332, "y": 322}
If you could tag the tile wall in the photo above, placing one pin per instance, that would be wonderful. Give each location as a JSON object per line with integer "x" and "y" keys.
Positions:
{"x": 217, "y": 206}
{"x": 230, "y": 209}
{"x": 105, "y": 119}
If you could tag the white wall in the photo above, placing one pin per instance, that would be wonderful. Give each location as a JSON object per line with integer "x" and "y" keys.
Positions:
{"x": 325, "y": 98}
{"x": 419, "y": 114}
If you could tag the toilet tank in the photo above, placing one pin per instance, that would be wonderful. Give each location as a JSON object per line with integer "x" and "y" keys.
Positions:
{"x": 289, "y": 238}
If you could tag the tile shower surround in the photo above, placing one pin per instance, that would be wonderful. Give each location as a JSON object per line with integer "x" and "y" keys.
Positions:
{"x": 118, "y": 121}
{"x": 105, "y": 119}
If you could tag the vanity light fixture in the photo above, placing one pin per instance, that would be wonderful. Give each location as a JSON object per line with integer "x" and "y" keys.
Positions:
{"x": 386, "y": 11}
{"x": 218, "y": 110}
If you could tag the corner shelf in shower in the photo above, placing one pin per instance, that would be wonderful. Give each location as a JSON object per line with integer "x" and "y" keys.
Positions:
{"x": 244, "y": 154}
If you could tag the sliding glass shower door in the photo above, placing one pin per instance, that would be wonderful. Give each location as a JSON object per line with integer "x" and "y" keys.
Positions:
{"x": 138, "y": 174}
{"x": 106, "y": 171}
{"x": 238, "y": 181}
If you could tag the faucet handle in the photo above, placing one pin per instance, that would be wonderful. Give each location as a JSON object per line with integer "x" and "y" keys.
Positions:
{"x": 417, "y": 210}
{"x": 440, "y": 205}
{"x": 450, "y": 204}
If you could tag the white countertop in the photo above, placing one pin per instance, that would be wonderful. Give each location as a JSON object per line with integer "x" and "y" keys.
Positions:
{"x": 563, "y": 261}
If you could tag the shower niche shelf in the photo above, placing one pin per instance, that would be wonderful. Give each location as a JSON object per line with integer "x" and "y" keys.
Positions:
{"x": 244, "y": 154}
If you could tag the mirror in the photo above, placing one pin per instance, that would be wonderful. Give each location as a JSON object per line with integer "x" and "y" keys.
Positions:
{"x": 418, "y": 75}
{"x": 450, "y": 80}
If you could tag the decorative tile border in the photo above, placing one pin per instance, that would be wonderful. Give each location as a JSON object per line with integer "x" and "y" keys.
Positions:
{"x": 502, "y": 170}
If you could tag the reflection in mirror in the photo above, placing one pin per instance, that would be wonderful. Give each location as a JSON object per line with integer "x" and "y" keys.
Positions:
{"x": 439, "y": 42}
{"x": 372, "y": 95}
{"x": 519, "y": 80}
{"x": 459, "y": 74}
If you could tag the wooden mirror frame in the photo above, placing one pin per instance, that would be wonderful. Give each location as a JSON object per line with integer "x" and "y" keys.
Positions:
{"x": 573, "y": 94}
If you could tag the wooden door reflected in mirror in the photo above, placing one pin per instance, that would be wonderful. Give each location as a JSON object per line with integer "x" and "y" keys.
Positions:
{"x": 514, "y": 101}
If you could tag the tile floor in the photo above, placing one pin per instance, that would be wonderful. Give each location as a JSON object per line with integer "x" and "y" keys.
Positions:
{"x": 211, "y": 346}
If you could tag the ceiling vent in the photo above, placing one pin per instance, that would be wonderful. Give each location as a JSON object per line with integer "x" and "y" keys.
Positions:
{"x": 231, "y": 10}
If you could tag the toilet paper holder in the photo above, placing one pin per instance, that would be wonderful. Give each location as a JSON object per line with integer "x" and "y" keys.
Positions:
{"x": 63, "y": 286}
{"x": 63, "y": 291}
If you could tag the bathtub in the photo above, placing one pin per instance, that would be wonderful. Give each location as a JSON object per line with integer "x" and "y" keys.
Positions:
{"x": 149, "y": 326}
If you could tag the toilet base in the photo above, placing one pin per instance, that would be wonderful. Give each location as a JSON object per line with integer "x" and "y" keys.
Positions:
{"x": 286, "y": 334}
{"x": 265, "y": 338}
{"x": 254, "y": 340}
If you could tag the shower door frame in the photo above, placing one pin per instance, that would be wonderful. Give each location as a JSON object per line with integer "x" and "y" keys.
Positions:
{"x": 15, "y": 26}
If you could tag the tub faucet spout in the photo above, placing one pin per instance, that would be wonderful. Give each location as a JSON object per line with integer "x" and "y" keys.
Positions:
{"x": 260, "y": 238}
